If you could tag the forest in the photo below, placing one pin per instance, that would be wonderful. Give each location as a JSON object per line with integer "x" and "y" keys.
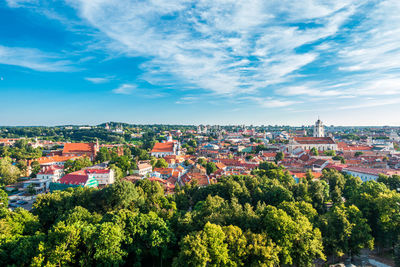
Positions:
{"x": 264, "y": 219}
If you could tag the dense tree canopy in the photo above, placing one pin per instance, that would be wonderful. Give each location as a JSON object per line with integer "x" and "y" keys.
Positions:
{"x": 265, "y": 219}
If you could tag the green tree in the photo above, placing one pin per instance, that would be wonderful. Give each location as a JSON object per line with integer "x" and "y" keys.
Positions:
{"x": 76, "y": 165}
{"x": 210, "y": 167}
{"x": 314, "y": 151}
{"x": 358, "y": 153}
{"x": 204, "y": 248}
{"x": 8, "y": 172}
{"x": 35, "y": 168}
{"x": 299, "y": 241}
{"x": 279, "y": 157}
{"x": 3, "y": 199}
{"x": 345, "y": 231}
{"x": 161, "y": 163}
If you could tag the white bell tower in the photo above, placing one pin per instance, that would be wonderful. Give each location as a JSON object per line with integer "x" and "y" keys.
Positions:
{"x": 319, "y": 129}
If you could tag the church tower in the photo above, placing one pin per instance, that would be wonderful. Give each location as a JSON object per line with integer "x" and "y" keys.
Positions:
{"x": 319, "y": 129}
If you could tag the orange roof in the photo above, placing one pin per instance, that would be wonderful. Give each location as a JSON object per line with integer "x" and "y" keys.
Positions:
{"x": 156, "y": 179}
{"x": 202, "y": 179}
{"x": 303, "y": 174}
{"x": 163, "y": 147}
{"x": 180, "y": 168}
{"x": 165, "y": 171}
{"x": 78, "y": 147}
{"x": 220, "y": 165}
{"x": 56, "y": 158}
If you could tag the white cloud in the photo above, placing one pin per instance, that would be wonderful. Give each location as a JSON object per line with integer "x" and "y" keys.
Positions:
{"x": 305, "y": 90}
{"x": 20, "y": 3}
{"x": 124, "y": 89}
{"x": 97, "y": 80}
{"x": 369, "y": 103}
{"x": 34, "y": 59}
{"x": 226, "y": 47}
{"x": 270, "y": 102}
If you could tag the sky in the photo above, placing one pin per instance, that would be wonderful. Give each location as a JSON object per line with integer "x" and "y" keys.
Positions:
{"x": 225, "y": 62}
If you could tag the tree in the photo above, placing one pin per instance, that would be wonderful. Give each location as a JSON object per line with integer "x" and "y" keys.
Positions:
{"x": 105, "y": 244}
{"x": 345, "y": 231}
{"x": 3, "y": 199}
{"x": 103, "y": 155}
{"x": 76, "y": 165}
{"x": 393, "y": 182}
{"x": 314, "y": 151}
{"x": 204, "y": 248}
{"x": 8, "y": 172}
{"x": 319, "y": 193}
{"x": 35, "y": 168}
{"x": 309, "y": 176}
{"x": 120, "y": 195}
{"x": 210, "y": 167}
{"x": 22, "y": 166}
{"x": 161, "y": 163}
{"x": 299, "y": 241}
{"x": 192, "y": 143}
{"x": 358, "y": 153}
{"x": 331, "y": 153}
{"x": 336, "y": 183}
{"x": 31, "y": 189}
{"x": 279, "y": 157}
{"x": 202, "y": 162}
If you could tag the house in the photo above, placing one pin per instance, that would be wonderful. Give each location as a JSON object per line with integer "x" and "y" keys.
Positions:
{"x": 81, "y": 149}
{"x": 144, "y": 168}
{"x": 200, "y": 178}
{"x": 103, "y": 176}
{"x": 51, "y": 172}
{"x": 39, "y": 185}
{"x": 166, "y": 173}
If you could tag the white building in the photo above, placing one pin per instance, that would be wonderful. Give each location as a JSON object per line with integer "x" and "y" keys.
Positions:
{"x": 39, "y": 185}
{"x": 144, "y": 168}
{"x": 103, "y": 176}
{"x": 307, "y": 143}
{"x": 369, "y": 174}
{"x": 319, "y": 129}
{"x": 161, "y": 150}
{"x": 51, "y": 172}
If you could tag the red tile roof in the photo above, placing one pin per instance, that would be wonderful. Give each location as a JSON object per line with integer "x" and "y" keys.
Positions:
{"x": 314, "y": 140}
{"x": 163, "y": 147}
{"x": 50, "y": 169}
{"x": 98, "y": 171}
{"x": 79, "y": 147}
{"x": 78, "y": 177}
{"x": 202, "y": 179}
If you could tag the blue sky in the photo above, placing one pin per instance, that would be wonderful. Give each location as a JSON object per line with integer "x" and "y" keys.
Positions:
{"x": 207, "y": 61}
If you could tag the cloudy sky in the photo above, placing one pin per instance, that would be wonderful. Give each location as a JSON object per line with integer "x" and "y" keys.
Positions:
{"x": 205, "y": 61}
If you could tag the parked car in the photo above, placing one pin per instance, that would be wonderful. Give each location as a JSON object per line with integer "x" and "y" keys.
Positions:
{"x": 13, "y": 205}
{"x": 22, "y": 202}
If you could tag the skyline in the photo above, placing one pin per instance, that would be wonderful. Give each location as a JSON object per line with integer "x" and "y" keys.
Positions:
{"x": 204, "y": 62}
